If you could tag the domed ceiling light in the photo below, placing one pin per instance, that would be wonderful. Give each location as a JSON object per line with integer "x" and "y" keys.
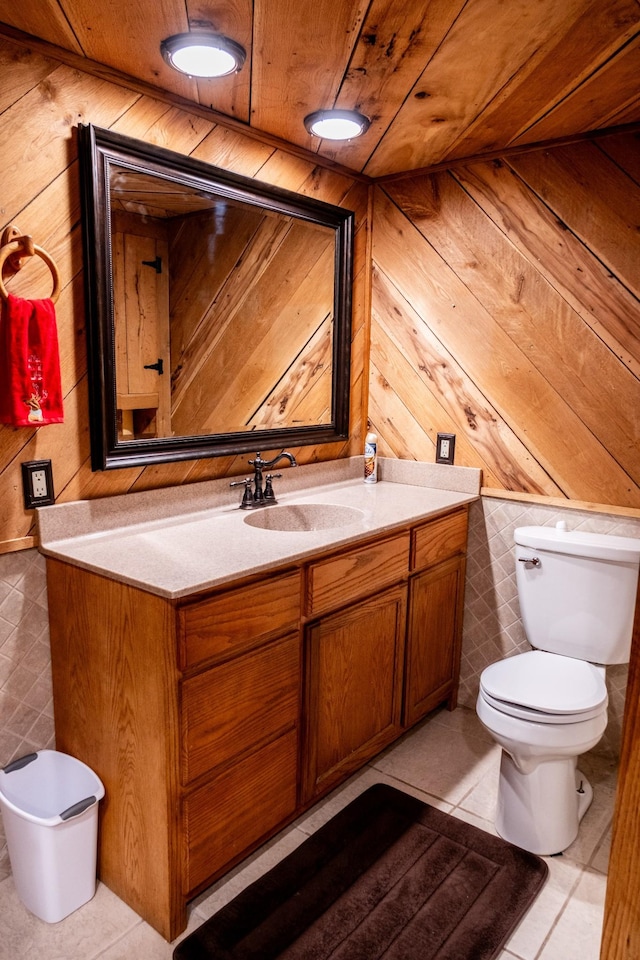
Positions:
{"x": 336, "y": 124}
{"x": 201, "y": 54}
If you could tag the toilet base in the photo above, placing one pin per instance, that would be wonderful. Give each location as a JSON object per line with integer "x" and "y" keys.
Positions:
{"x": 541, "y": 811}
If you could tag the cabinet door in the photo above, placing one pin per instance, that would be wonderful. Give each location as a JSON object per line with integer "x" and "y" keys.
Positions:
{"x": 433, "y": 639}
{"x": 354, "y": 687}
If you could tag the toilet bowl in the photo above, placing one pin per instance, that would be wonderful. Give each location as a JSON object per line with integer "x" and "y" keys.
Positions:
{"x": 548, "y": 706}
{"x": 542, "y": 796}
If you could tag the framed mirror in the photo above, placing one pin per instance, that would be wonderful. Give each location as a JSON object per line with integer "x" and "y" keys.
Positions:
{"x": 219, "y": 308}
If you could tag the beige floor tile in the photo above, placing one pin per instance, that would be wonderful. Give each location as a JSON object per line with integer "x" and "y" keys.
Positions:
{"x": 600, "y": 859}
{"x": 80, "y": 936}
{"x": 534, "y": 927}
{"x": 577, "y": 934}
{"x": 436, "y": 763}
{"x": 481, "y": 800}
{"x": 594, "y": 826}
{"x": 361, "y": 781}
{"x": 144, "y": 943}
{"x": 462, "y": 721}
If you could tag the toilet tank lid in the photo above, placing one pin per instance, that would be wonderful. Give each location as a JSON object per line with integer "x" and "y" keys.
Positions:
{"x": 601, "y": 546}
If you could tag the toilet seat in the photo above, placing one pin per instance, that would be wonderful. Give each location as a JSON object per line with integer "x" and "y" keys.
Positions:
{"x": 545, "y": 688}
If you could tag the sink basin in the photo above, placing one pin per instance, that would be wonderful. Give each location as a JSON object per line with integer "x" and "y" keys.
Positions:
{"x": 294, "y": 517}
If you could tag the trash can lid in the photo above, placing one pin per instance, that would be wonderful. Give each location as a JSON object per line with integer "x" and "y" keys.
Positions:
{"x": 49, "y": 787}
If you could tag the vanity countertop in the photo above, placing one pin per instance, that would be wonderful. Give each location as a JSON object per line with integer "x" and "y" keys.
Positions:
{"x": 175, "y": 550}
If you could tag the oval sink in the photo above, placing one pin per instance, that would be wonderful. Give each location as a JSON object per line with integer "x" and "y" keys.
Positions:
{"x": 292, "y": 517}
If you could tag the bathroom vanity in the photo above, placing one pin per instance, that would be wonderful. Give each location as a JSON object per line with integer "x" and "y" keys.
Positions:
{"x": 216, "y": 710}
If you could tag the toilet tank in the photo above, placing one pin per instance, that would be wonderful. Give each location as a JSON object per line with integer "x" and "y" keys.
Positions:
{"x": 579, "y": 599}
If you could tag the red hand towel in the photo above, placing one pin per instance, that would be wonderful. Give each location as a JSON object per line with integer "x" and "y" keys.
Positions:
{"x": 30, "y": 386}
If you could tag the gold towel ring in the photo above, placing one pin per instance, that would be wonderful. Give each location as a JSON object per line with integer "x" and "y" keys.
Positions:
{"x": 27, "y": 248}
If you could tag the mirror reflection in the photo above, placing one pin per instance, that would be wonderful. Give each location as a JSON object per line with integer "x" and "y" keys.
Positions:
{"x": 223, "y": 312}
{"x": 219, "y": 308}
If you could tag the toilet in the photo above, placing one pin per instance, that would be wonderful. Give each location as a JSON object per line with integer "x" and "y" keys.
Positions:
{"x": 577, "y": 594}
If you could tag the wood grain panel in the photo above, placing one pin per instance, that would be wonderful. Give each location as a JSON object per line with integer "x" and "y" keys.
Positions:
{"x": 396, "y": 40}
{"x": 490, "y": 358}
{"x": 128, "y": 676}
{"x": 593, "y": 195}
{"x": 28, "y": 16}
{"x": 494, "y": 43}
{"x": 532, "y": 245}
{"x": 534, "y": 316}
{"x": 560, "y": 256}
{"x": 434, "y": 390}
{"x": 607, "y": 98}
{"x": 572, "y": 55}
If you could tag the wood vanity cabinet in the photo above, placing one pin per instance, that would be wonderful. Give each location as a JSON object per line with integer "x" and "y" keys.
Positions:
{"x": 353, "y": 659}
{"x": 189, "y": 712}
{"x": 377, "y": 665}
{"x": 215, "y": 719}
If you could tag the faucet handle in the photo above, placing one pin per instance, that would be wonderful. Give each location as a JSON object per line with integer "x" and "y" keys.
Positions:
{"x": 269, "y": 495}
{"x": 247, "y": 498}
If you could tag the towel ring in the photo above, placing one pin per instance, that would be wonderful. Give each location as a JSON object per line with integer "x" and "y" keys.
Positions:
{"x": 28, "y": 248}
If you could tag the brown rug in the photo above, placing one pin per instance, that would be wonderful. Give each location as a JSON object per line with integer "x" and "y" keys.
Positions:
{"x": 388, "y": 877}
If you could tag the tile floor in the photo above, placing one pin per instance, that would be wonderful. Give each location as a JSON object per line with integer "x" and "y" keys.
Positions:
{"x": 448, "y": 761}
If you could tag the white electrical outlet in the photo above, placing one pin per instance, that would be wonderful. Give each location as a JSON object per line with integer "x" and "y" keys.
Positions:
{"x": 39, "y": 484}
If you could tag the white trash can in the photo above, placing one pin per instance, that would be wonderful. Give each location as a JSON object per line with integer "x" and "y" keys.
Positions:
{"x": 49, "y": 804}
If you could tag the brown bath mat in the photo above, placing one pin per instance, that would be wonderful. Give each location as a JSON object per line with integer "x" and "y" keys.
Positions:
{"x": 388, "y": 877}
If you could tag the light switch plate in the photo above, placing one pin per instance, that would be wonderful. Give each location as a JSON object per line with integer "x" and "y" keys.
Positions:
{"x": 445, "y": 447}
{"x": 37, "y": 484}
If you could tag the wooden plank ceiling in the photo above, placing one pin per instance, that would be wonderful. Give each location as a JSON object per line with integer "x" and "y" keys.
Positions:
{"x": 440, "y": 79}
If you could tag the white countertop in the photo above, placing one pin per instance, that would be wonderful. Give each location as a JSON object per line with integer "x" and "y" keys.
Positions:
{"x": 175, "y": 550}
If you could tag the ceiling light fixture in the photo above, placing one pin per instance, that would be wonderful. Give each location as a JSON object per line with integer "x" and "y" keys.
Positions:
{"x": 336, "y": 124}
{"x": 201, "y": 54}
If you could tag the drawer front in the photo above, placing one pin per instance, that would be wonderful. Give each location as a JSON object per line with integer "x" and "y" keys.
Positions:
{"x": 228, "y": 816}
{"x": 232, "y": 708}
{"x": 356, "y": 573}
{"x": 236, "y": 620}
{"x": 439, "y": 539}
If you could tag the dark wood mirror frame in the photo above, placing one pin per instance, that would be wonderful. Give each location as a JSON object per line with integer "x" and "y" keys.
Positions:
{"x": 99, "y": 151}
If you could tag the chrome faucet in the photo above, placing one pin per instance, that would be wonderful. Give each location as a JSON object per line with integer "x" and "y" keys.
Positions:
{"x": 262, "y": 496}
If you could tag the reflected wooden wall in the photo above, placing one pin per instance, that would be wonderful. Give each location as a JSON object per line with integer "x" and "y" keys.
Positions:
{"x": 505, "y": 310}
{"x": 41, "y": 103}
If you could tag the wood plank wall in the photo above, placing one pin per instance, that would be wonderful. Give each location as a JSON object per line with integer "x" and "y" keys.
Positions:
{"x": 505, "y": 310}
{"x": 41, "y": 103}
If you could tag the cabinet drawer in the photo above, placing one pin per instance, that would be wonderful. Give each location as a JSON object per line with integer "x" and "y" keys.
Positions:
{"x": 439, "y": 539}
{"x": 228, "y": 816}
{"x": 233, "y": 707}
{"x": 235, "y": 620}
{"x": 356, "y": 573}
